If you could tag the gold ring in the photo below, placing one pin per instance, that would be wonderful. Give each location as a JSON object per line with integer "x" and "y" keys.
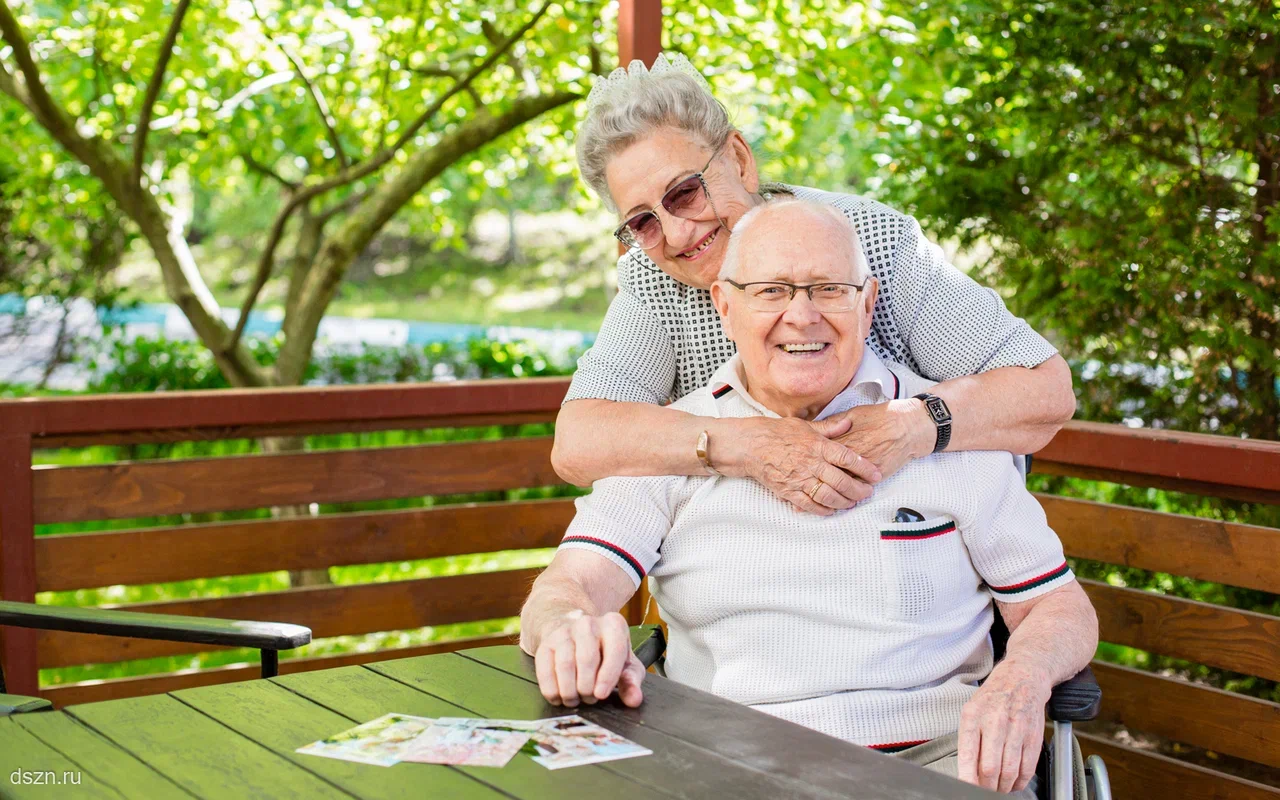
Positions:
{"x": 813, "y": 493}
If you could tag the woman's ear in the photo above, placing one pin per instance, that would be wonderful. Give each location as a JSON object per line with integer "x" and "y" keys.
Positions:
{"x": 748, "y": 173}
{"x": 720, "y": 298}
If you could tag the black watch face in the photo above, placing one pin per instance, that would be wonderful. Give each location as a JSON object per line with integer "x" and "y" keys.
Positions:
{"x": 939, "y": 411}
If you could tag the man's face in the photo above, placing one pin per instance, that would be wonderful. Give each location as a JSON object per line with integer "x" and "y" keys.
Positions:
{"x": 796, "y": 246}
{"x": 691, "y": 250}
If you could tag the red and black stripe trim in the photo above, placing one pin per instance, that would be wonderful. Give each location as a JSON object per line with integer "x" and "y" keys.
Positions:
{"x": 941, "y": 529}
{"x": 897, "y": 385}
{"x": 722, "y": 391}
{"x": 612, "y": 548}
{"x": 1032, "y": 583}
{"x": 897, "y": 747}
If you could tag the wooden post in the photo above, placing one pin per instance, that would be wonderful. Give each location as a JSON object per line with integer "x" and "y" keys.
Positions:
{"x": 639, "y": 31}
{"x": 17, "y": 561}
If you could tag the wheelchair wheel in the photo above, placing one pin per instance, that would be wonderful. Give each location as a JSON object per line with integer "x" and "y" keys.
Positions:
{"x": 1097, "y": 783}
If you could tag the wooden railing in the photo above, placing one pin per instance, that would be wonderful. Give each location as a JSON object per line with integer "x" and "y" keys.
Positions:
{"x": 1235, "y": 554}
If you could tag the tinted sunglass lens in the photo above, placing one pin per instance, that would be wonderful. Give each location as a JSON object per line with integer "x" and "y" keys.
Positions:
{"x": 685, "y": 198}
{"x": 645, "y": 229}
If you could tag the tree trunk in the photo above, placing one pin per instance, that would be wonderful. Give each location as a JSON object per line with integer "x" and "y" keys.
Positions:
{"x": 295, "y": 444}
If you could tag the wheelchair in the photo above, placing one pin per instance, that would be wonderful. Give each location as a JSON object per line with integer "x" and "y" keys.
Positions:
{"x": 1062, "y": 773}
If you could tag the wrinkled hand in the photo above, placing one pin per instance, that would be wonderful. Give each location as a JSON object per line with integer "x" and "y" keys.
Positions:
{"x": 889, "y": 434}
{"x": 585, "y": 657}
{"x": 789, "y": 456}
{"x": 1002, "y": 729}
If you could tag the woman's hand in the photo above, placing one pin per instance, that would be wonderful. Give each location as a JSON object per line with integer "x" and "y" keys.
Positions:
{"x": 1002, "y": 729}
{"x": 791, "y": 456}
{"x": 582, "y": 658}
{"x": 889, "y": 434}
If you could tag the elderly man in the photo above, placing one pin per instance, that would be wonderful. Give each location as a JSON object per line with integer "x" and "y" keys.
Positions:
{"x": 871, "y": 624}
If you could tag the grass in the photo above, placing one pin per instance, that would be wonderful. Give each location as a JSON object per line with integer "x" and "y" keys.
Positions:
{"x": 563, "y": 278}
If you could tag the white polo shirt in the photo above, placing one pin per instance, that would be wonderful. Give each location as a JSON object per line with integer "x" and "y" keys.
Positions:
{"x": 863, "y": 628}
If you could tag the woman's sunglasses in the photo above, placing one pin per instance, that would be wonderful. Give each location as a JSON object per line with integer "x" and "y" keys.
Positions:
{"x": 686, "y": 200}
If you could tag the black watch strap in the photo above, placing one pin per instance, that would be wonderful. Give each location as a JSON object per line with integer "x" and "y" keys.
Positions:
{"x": 941, "y": 416}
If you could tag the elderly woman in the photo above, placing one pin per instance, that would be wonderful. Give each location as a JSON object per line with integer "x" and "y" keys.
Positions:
{"x": 857, "y": 624}
{"x": 656, "y": 146}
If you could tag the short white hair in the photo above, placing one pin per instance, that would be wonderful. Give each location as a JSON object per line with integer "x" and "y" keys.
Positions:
{"x": 733, "y": 252}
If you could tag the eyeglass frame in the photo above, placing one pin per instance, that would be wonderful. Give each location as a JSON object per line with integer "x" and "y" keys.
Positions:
{"x": 795, "y": 287}
{"x": 617, "y": 232}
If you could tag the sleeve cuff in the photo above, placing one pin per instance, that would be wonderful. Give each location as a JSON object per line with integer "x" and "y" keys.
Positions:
{"x": 629, "y": 563}
{"x": 1034, "y": 586}
{"x": 1023, "y": 347}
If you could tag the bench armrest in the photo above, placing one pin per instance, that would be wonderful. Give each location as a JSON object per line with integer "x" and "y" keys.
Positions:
{"x": 648, "y": 643}
{"x": 169, "y": 627}
{"x": 1076, "y": 699}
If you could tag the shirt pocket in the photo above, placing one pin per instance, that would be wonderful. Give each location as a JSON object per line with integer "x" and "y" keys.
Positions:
{"x": 926, "y": 568}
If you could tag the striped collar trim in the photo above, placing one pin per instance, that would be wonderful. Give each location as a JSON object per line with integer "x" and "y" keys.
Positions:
{"x": 722, "y": 391}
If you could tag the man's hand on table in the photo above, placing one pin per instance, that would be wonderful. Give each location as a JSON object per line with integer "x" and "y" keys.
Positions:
{"x": 1002, "y": 729}
{"x": 583, "y": 658}
{"x": 791, "y": 456}
{"x": 889, "y": 434}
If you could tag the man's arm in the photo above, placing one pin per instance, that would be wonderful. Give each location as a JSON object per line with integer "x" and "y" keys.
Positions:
{"x": 581, "y": 648}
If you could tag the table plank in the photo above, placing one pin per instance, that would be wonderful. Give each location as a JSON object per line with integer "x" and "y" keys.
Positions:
{"x": 676, "y": 767}
{"x": 758, "y": 740}
{"x": 360, "y": 695}
{"x": 99, "y": 756}
{"x": 198, "y": 753}
{"x": 283, "y": 721}
{"x": 20, "y": 750}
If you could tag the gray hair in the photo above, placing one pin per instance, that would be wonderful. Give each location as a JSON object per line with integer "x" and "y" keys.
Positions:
{"x": 632, "y": 110}
{"x": 733, "y": 252}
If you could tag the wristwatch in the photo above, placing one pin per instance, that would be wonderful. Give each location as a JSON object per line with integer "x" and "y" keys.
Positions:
{"x": 941, "y": 416}
{"x": 704, "y": 441}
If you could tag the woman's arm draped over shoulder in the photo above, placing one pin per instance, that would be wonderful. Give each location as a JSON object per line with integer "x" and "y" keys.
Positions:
{"x": 1006, "y": 386}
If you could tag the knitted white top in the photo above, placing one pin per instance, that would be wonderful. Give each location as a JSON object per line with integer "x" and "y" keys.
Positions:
{"x": 865, "y": 629}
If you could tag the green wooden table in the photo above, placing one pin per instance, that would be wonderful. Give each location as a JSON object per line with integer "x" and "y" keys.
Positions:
{"x": 238, "y": 741}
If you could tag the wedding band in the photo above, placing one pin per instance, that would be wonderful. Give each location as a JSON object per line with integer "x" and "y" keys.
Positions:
{"x": 813, "y": 493}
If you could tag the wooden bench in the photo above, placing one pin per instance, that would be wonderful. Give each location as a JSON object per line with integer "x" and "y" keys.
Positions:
{"x": 1235, "y": 554}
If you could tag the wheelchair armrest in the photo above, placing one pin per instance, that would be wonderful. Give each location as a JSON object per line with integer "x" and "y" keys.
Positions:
{"x": 648, "y": 643}
{"x": 169, "y": 627}
{"x": 17, "y": 704}
{"x": 1076, "y": 699}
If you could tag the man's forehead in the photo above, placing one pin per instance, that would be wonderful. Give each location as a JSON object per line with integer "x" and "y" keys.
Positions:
{"x": 781, "y": 246}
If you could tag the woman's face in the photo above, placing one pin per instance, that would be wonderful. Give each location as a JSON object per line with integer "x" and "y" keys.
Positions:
{"x": 691, "y": 250}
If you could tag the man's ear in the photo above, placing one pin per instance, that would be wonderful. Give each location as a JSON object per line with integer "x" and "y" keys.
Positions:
{"x": 746, "y": 161}
{"x": 720, "y": 298}
{"x": 869, "y": 305}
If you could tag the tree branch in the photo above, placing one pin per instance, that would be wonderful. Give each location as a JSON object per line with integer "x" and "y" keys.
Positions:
{"x": 302, "y": 320}
{"x": 254, "y": 165}
{"x": 326, "y": 116}
{"x": 357, "y": 172}
{"x": 153, "y": 89}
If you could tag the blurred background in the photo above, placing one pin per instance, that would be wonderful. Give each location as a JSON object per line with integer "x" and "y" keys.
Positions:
{"x": 280, "y": 192}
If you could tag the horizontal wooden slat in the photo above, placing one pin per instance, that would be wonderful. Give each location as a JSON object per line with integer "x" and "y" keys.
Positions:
{"x": 1138, "y": 774}
{"x": 327, "y": 611}
{"x": 155, "y": 488}
{"x": 97, "y": 691}
{"x": 1203, "y": 488}
{"x": 1224, "y": 722}
{"x": 1201, "y": 457}
{"x": 89, "y": 560}
{"x": 1206, "y": 549}
{"x": 1242, "y": 641}
{"x": 233, "y": 408}
{"x": 168, "y": 435}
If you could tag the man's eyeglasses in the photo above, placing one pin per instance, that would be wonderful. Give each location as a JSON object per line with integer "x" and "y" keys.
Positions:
{"x": 686, "y": 200}
{"x": 776, "y": 295}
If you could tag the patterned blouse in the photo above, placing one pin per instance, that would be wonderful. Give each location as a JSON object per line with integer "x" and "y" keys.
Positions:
{"x": 661, "y": 339}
